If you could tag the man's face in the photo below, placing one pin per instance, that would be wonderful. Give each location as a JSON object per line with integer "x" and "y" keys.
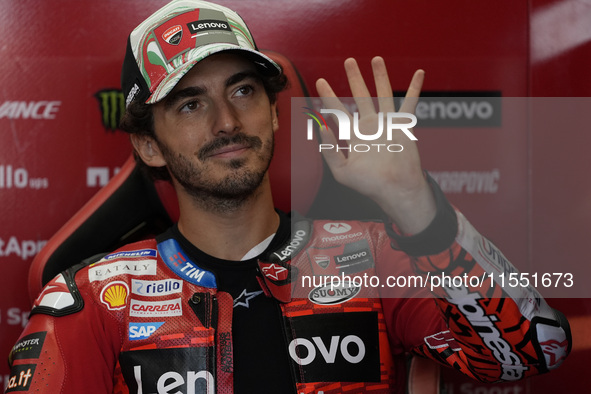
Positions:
{"x": 215, "y": 129}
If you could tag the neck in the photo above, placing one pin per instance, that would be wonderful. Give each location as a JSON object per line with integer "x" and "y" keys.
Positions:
{"x": 228, "y": 233}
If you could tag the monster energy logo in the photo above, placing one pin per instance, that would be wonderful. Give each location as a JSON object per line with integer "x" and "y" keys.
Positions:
{"x": 112, "y": 107}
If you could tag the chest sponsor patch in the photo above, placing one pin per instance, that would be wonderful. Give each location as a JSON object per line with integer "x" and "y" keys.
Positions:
{"x": 114, "y": 295}
{"x": 179, "y": 370}
{"x": 176, "y": 259}
{"x": 123, "y": 267}
{"x": 336, "y": 347}
{"x": 139, "y": 308}
{"x": 139, "y": 331}
{"x": 156, "y": 288}
{"x": 131, "y": 254}
{"x": 332, "y": 295}
{"x": 346, "y": 259}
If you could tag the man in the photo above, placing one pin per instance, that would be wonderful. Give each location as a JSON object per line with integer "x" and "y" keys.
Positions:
{"x": 214, "y": 304}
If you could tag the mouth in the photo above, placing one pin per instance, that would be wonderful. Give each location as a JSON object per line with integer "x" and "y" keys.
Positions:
{"x": 229, "y": 151}
{"x": 229, "y": 147}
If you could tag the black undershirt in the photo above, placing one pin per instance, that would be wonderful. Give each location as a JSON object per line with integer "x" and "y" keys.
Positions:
{"x": 261, "y": 360}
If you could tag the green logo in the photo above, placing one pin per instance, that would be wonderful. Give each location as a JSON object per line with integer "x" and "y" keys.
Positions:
{"x": 112, "y": 107}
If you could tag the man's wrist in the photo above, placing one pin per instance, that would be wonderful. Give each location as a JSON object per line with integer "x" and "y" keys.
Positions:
{"x": 437, "y": 236}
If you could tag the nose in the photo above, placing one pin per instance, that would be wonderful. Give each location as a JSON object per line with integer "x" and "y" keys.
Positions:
{"x": 227, "y": 120}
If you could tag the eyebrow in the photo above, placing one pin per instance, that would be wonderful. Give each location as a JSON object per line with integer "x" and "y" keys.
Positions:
{"x": 193, "y": 91}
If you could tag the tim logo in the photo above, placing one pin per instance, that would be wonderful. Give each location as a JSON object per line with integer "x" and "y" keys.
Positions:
{"x": 401, "y": 121}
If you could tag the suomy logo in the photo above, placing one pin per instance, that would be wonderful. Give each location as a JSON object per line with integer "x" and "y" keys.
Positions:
{"x": 402, "y": 121}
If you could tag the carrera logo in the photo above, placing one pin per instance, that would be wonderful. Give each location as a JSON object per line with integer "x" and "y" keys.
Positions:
{"x": 331, "y": 295}
{"x": 173, "y": 35}
{"x": 114, "y": 295}
{"x": 337, "y": 228}
{"x": 155, "y": 308}
{"x": 142, "y": 330}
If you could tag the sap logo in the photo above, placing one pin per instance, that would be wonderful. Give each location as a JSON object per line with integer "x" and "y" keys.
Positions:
{"x": 329, "y": 354}
{"x": 142, "y": 330}
{"x": 172, "y": 380}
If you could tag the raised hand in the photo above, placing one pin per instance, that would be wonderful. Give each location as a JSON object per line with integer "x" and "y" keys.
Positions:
{"x": 390, "y": 171}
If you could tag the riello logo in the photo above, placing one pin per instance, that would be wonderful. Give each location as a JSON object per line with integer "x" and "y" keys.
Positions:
{"x": 395, "y": 122}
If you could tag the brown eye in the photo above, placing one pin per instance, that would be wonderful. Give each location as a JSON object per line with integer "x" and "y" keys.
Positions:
{"x": 244, "y": 90}
{"x": 190, "y": 106}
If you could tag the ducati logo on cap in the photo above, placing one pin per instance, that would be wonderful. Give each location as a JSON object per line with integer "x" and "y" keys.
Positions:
{"x": 173, "y": 35}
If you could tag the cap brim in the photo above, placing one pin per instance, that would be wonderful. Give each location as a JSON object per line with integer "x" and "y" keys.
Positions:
{"x": 264, "y": 64}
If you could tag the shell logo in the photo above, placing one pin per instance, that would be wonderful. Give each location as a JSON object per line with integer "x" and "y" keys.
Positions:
{"x": 114, "y": 295}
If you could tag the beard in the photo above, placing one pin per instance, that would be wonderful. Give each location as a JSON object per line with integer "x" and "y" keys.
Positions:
{"x": 234, "y": 189}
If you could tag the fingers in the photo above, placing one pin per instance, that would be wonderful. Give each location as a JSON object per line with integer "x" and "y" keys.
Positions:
{"x": 414, "y": 91}
{"x": 358, "y": 87}
{"x": 328, "y": 96}
{"x": 383, "y": 86}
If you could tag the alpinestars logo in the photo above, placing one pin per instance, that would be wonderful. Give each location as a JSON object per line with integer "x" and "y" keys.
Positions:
{"x": 112, "y": 107}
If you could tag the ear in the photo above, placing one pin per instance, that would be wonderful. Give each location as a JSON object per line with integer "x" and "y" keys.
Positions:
{"x": 147, "y": 148}
{"x": 274, "y": 117}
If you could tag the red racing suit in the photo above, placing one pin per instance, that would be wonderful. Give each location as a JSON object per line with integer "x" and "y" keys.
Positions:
{"x": 148, "y": 319}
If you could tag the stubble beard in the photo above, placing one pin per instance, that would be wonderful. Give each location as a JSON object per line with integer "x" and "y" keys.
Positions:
{"x": 232, "y": 191}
